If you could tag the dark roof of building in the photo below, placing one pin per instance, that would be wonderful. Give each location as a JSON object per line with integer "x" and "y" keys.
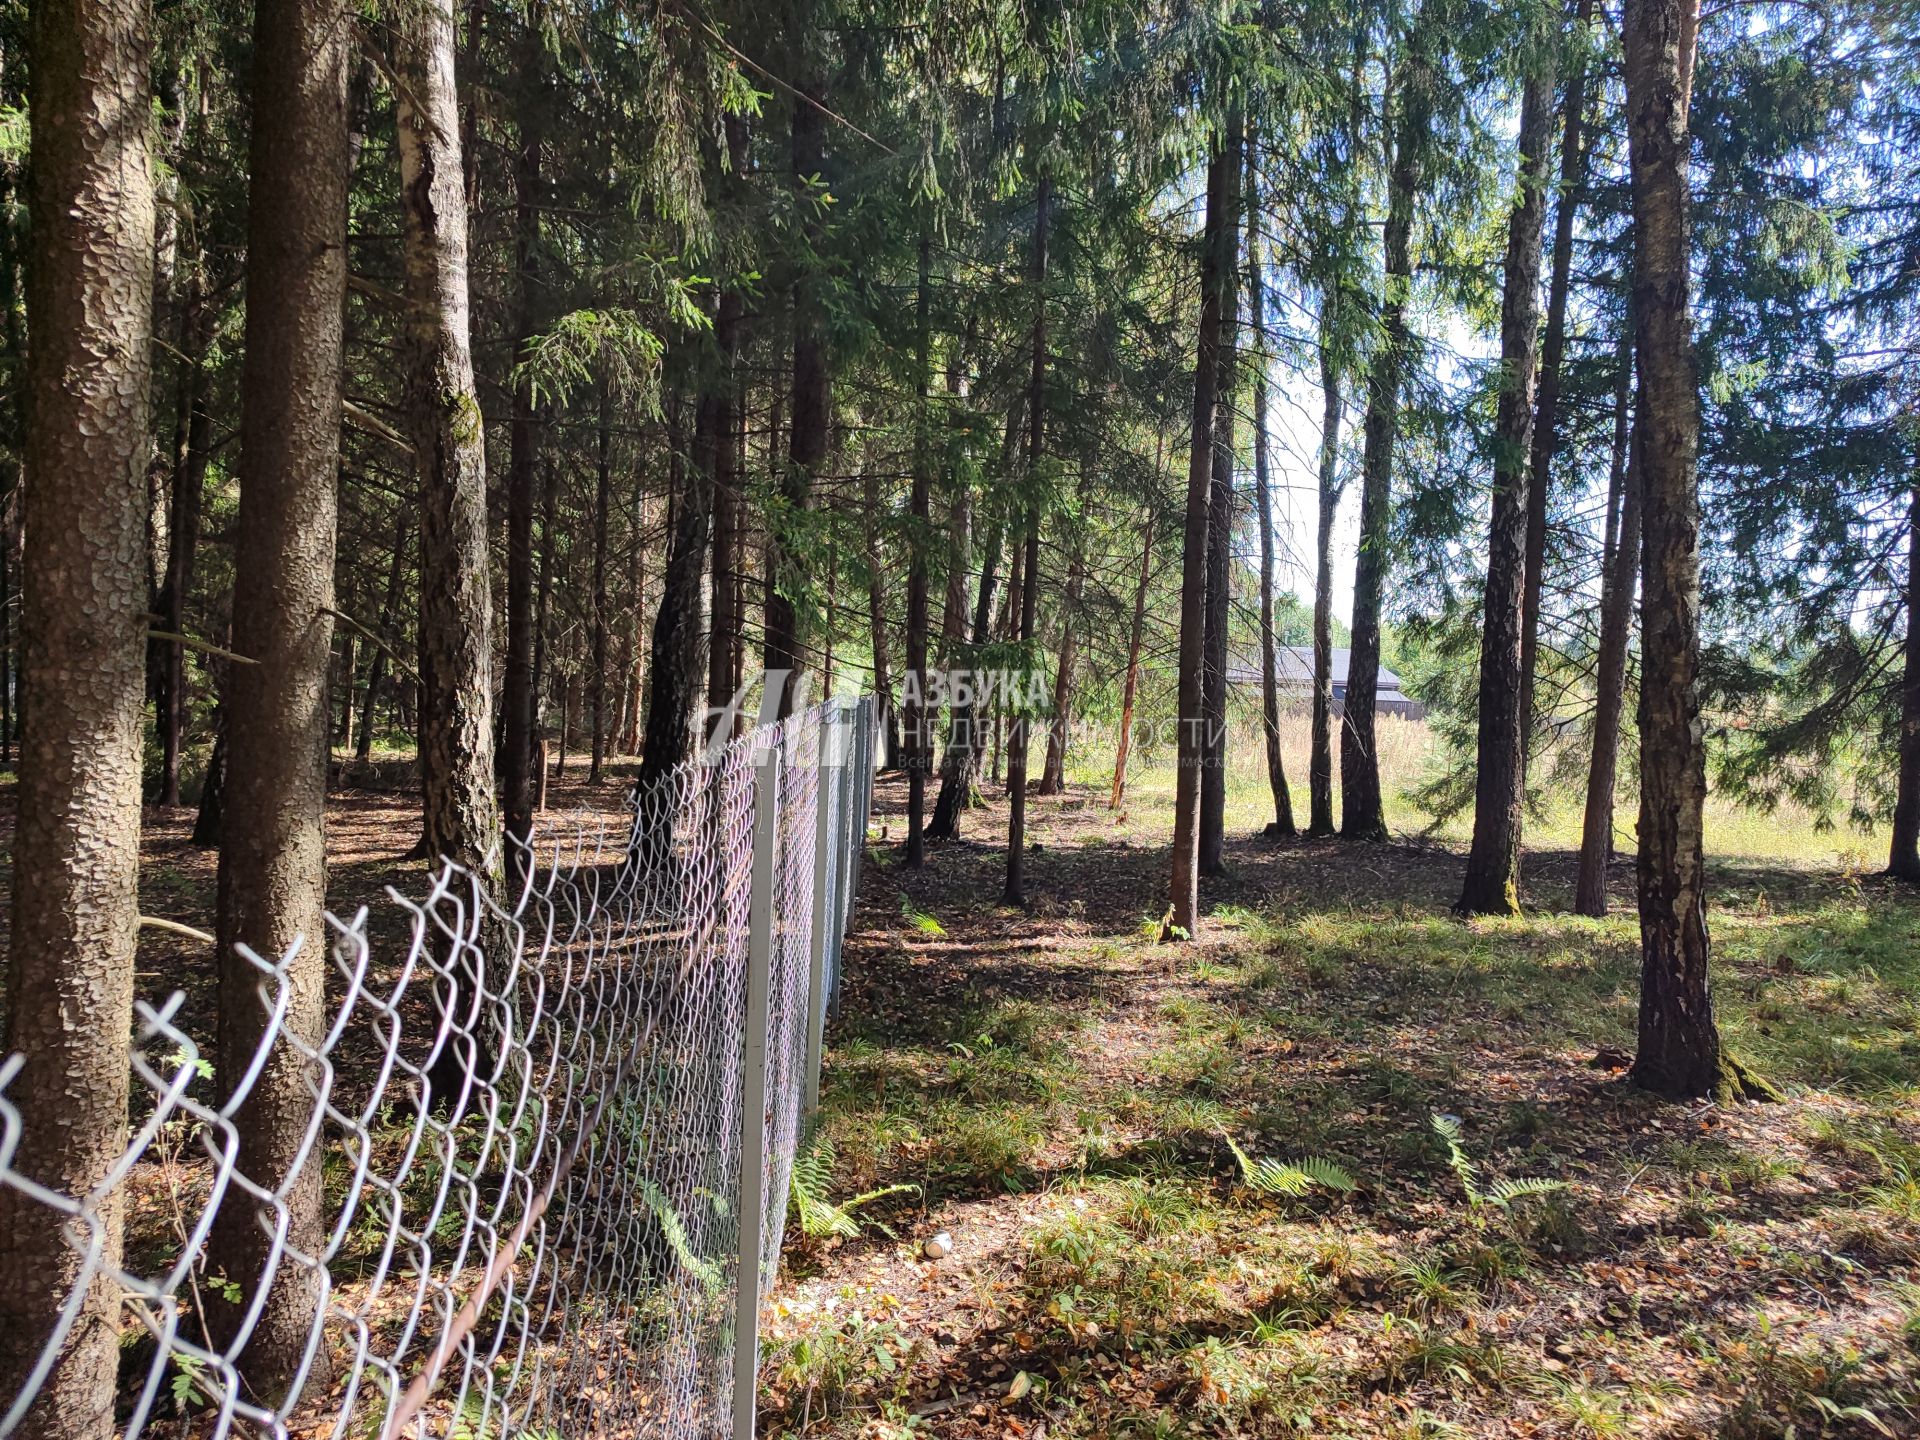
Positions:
{"x": 1293, "y": 667}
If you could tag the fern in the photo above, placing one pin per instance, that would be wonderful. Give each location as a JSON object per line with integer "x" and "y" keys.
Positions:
{"x": 674, "y": 1231}
{"x": 1447, "y": 1127}
{"x": 1502, "y": 1193}
{"x": 1292, "y": 1179}
{"x": 1505, "y": 1192}
{"x": 820, "y": 1217}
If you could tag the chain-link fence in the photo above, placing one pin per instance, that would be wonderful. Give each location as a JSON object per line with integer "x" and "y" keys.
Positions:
{"x": 554, "y": 1123}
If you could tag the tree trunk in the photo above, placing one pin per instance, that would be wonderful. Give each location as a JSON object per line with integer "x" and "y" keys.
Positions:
{"x": 1053, "y": 775}
{"x": 443, "y": 412}
{"x": 1679, "y": 1054}
{"x": 1904, "y": 858}
{"x": 1546, "y": 416}
{"x": 76, "y": 851}
{"x": 273, "y": 864}
{"x": 1320, "y": 756}
{"x": 389, "y": 613}
{"x": 209, "y": 818}
{"x": 1213, "y": 774}
{"x": 716, "y": 454}
{"x": 9, "y": 498}
{"x": 919, "y": 738}
{"x": 1610, "y": 680}
{"x": 674, "y": 669}
{"x": 13, "y": 434}
{"x": 1492, "y": 883}
{"x": 831, "y": 619}
{"x": 349, "y": 685}
{"x": 953, "y": 610}
{"x": 602, "y": 505}
{"x": 953, "y": 616}
{"x": 1184, "y": 903}
{"x": 1362, "y": 813}
{"x": 877, "y": 618}
{"x": 541, "y": 682}
{"x": 1009, "y": 631}
{"x": 959, "y": 793}
{"x": 960, "y": 761}
{"x": 1262, "y": 484}
{"x": 725, "y": 619}
{"x": 1015, "y": 893}
{"x": 636, "y": 613}
{"x": 183, "y": 526}
{"x": 812, "y": 384}
{"x": 1136, "y": 637}
{"x": 524, "y": 435}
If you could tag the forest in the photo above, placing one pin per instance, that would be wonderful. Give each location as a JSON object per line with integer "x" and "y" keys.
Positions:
{"x": 1386, "y": 538}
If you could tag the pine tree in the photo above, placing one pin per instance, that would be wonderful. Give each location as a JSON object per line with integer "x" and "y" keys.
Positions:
{"x": 1492, "y": 885}
{"x": 272, "y": 872}
{"x": 83, "y": 666}
{"x": 445, "y": 423}
{"x": 1679, "y": 1054}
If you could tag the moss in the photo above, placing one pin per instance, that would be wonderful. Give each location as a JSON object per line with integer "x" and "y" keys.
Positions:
{"x": 1738, "y": 1081}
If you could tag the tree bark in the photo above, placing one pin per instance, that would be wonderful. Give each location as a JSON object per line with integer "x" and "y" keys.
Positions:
{"x": 1009, "y": 631}
{"x": 1546, "y": 416}
{"x": 674, "y": 668}
{"x": 1903, "y": 860}
{"x": 443, "y": 411}
{"x": 1053, "y": 774}
{"x": 723, "y": 620}
{"x": 960, "y": 761}
{"x": 602, "y": 506}
{"x": 183, "y": 529}
{"x": 715, "y": 457}
{"x": 389, "y": 613}
{"x": 1263, "y": 494}
{"x": 1016, "y": 893}
{"x": 13, "y": 433}
{"x": 273, "y": 865}
{"x": 1610, "y": 680}
{"x": 918, "y": 738}
{"x": 1492, "y": 882}
{"x": 1320, "y": 756}
{"x": 1136, "y": 637}
{"x": 1183, "y": 907}
{"x": 543, "y": 591}
{"x": 524, "y": 435}
{"x": 634, "y": 663}
{"x": 1213, "y": 774}
{"x": 953, "y": 616}
{"x": 349, "y": 689}
{"x": 724, "y": 617}
{"x": 1679, "y": 1054}
{"x": 76, "y": 850}
{"x": 209, "y": 816}
{"x": 812, "y": 382}
{"x": 1362, "y": 811}
{"x": 877, "y": 618}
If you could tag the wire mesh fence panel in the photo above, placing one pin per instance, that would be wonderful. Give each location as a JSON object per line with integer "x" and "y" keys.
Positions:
{"x": 527, "y": 1120}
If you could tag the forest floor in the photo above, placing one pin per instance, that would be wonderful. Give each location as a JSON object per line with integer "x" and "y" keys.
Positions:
{"x": 1059, "y": 1087}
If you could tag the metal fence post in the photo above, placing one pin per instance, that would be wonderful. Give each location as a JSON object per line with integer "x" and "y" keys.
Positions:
{"x": 844, "y": 842}
{"x": 753, "y": 1105}
{"x": 825, "y": 884}
{"x": 863, "y": 795}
